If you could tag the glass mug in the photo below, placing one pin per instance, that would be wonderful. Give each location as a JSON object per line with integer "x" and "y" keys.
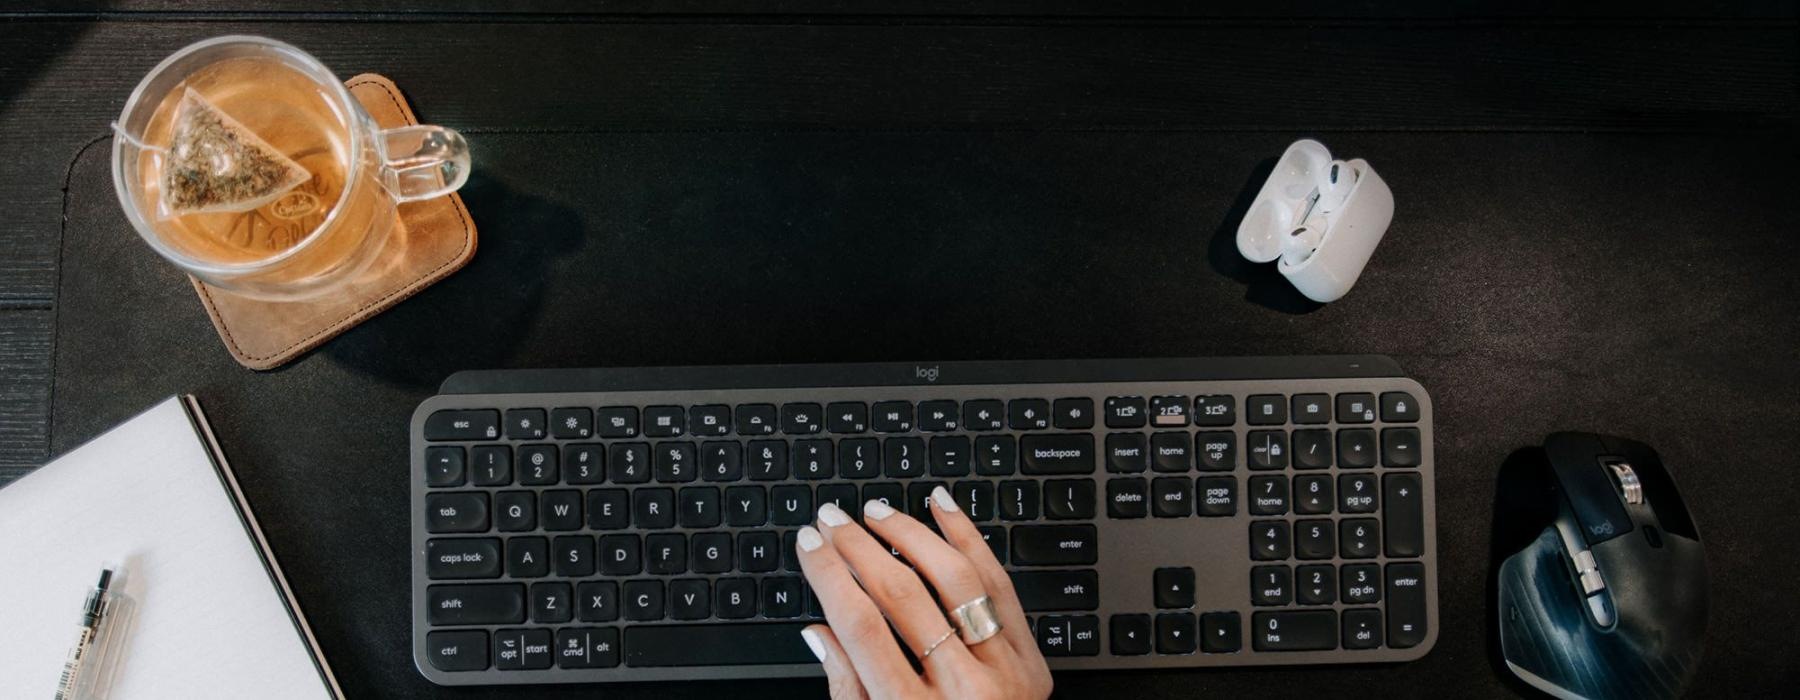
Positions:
{"x": 305, "y": 240}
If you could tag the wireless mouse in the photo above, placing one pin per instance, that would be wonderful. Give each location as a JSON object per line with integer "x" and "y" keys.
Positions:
{"x": 1609, "y": 601}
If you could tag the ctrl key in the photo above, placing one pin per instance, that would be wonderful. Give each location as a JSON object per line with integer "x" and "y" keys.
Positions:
{"x": 1069, "y": 635}
{"x": 457, "y": 650}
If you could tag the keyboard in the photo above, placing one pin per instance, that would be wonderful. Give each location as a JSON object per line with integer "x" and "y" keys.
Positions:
{"x": 614, "y": 525}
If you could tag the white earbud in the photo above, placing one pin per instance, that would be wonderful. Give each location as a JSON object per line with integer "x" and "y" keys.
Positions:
{"x": 1300, "y": 244}
{"x": 1335, "y": 186}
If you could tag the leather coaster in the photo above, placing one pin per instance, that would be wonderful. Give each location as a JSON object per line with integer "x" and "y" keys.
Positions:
{"x": 432, "y": 239}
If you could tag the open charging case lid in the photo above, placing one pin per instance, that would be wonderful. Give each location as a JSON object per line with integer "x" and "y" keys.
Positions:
{"x": 1351, "y": 230}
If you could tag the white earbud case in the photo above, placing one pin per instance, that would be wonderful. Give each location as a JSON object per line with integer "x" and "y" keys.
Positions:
{"x": 1285, "y": 221}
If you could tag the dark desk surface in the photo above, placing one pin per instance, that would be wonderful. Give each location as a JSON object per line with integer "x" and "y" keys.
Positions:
{"x": 1593, "y": 232}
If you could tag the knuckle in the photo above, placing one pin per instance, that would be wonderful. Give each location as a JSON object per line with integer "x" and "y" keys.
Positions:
{"x": 898, "y": 589}
{"x": 860, "y": 627}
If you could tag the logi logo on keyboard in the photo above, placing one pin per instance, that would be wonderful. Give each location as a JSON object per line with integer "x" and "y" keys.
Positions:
{"x": 929, "y": 374}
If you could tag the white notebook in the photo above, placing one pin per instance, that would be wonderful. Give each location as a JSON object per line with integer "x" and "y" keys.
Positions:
{"x": 211, "y": 615}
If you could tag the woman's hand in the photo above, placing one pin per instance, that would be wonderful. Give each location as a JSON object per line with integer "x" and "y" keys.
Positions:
{"x": 864, "y": 589}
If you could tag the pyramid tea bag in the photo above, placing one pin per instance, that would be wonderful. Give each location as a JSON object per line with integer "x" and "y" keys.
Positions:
{"x": 215, "y": 164}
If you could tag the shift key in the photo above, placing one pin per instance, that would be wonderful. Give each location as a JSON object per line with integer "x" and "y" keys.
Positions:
{"x": 1054, "y": 545}
{"x": 476, "y": 604}
{"x": 1045, "y": 591}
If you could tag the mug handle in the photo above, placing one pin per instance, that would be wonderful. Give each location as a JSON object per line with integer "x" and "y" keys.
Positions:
{"x": 422, "y": 162}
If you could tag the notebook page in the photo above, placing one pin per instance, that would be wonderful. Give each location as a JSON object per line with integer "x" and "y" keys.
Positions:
{"x": 208, "y": 622}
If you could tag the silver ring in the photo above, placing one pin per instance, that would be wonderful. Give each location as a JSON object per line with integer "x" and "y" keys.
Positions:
{"x": 976, "y": 620}
{"x": 934, "y": 645}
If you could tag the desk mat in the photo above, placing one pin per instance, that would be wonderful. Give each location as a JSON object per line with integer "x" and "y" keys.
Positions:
{"x": 1532, "y": 282}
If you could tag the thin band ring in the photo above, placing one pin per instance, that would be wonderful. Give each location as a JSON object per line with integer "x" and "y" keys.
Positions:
{"x": 934, "y": 645}
{"x": 976, "y": 620}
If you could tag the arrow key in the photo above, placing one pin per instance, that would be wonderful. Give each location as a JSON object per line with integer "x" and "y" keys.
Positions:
{"x": 1130, "y": 635}
{"x": 1175, "y": 587}
{"x": 1223, "y": 633}
{"x": 1175, "y": 633}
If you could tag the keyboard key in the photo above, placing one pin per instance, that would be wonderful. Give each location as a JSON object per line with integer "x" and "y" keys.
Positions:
{"x": 690, "y": 599}
{"x": 802, "y": 418}
{"x": 1126, "y": 453}
{"x": 584, "y": 464}
{"x": 700, "y": 507}
{"x": 1355, "y": 408}
{"x": 516, "y": 650}
{"x": 527, "y": 557}
{"x": 736, "y": 598}
{"x": 462, "y": 558}
{"x": 1169, "y": 411}
{"x": 665, "y": 553}
{"x": 491, "y": 464}
{"x": 1130, "y": 635}
{"x": 1316, "y": 584}
{"x": 1125, "y": 412}
{"x": 665, "y": 421}
{"x": 841, "y": 495}
{"x": 1175, "y": 587}
{"x": 711, "y": 553}
{"x": 1405, "y": 515}
{"x": 791, "y": 504}
{"x": 903, "y": 458}
{"x": 1029, "y": 414}
{"x": 1313, "y": 539}
{"x": 1356, "y": 448}
{"x": 1054, "y": 545}
{"x": 643, "y": 600}
{"x": 1271, "y": 585}
{"x": 1400, "y": 447}
{"x": 1359, "y": 538}
{"x": 1268, "y": 495}
{"x": 597, "y": 601}
{"x": 462, "y": 425}
{"x": 1217, "y": 496}
{"x": 1269, "y": 540}
{"x": 938, "y": 416}
{"x": 1073, "y": 414}
{"x": 1175, "y": 633}
{"x": 1127, "y": 498}
{"x": 709, "y": 420}
{"x": 628, "y": 463}
{"x": 847, "y": 417}
{"x": 859, "y": 458}
{"x": 616, "y": 422}
{"x": 1406, "y": 604}
{"x": 573, "y": 555}
{"x": 1220, "y": 633}
{"x": 1268, "y": 449}
{"x": 894, "y": 495}
{"x": 1266, "y": 409}
{"x": 759, "y": 551}
{"x": 767, "y": 460}
{"x": 1218, "y": 451}
{"x": 1312, "y": 449}
{"x": 813, "y": 460}
{"x": 1312, "y": 494}
{"x": 550, "y": 603}
{"x": 984, "y": 415}
{"x": 1362, "y": 629}
{"x": 1399, "y": 407}
{"x": 621, "y": 555}
{"x": 781, "y": 597}
{"x": 1215, "y": 411}
{"x": 1061, "y": 453}
{"x": 561, "y": 510}
{"x": 1309, "y": 630}
{"x": 1172, "y": 497}
{"x": 893, "y": 417}
{"x": 653, "y": 508}
{"x": 717, "y": 645}
{"x": 537, "y": 465}
{"x": 721, "y": 461}
{"x": 444, "y": 466}
{"x": 756, "y": 419}
{"x": 1169, "y": 452}
{"x": 587, "y": 647}
{"x": 1069, "y": 499}
{"x": 746, "y": 506}
{"x": 571, "y": 423}
{"x": 456, "y": 512}
{"x": 950, "y": 456}
{"x": 1069, "y": 635}
{"x": 996, "y": 455}
{"x": 457, "y": 650}
{"x": 976, "y": 498}
{"x": 918, "y": 499}
{"x": 515, "y": 511}
{"x": 1361, "y": 584}
{"x": 675, "y": 462}
{"x": 1312, "y": 408}
{"x": 607, "y": 509}
{"x": 995, "y": 537}
{"x": 475, "y": 604}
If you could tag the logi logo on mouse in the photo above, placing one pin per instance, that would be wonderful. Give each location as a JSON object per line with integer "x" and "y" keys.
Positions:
{"x": 929, "y": 374}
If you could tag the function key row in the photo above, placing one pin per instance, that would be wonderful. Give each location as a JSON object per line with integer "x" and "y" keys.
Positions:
{"x": 851, "y": 417}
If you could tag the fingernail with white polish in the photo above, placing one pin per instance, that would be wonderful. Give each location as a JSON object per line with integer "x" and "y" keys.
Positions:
{"x": 812, "y": 639}
{"x": 832, "y": 515}
{"x": 941, "y": 497}
{"x": 877, "y": 510}
{"x": 808, "y": 539}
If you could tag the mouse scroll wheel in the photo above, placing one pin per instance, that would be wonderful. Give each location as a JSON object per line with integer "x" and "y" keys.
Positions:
{"x": 1627, "y": 482}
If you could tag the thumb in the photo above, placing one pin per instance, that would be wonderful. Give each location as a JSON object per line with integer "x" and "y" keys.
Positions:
{"x": 839, "y": 674}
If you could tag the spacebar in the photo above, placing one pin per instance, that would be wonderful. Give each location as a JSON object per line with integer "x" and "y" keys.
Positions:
{"x": 716, "y": 645}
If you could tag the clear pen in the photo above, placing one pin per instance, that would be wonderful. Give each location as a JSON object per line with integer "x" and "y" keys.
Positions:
{"x": 88, "y": 644}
